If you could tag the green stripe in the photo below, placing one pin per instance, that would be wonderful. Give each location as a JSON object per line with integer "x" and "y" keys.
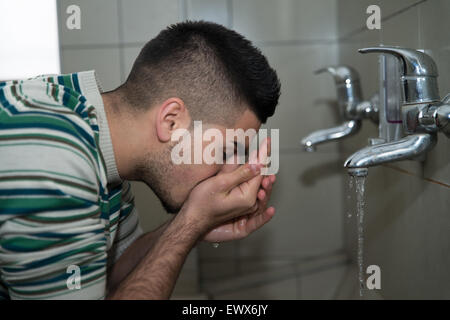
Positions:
{"x": 40, "y": 178}
{"x": 58, "y": 294}
{"x": 50, "y": 172}
{"x": 42, "y": 204}
{"x": 31, "y": 244}
{"x": 90, "y": 214}
{"x": 52, "y": 146}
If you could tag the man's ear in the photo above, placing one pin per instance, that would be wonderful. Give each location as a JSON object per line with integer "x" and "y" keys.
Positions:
{"x": 172, "y": 115}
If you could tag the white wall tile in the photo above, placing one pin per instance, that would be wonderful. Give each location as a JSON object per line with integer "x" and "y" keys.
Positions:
{"x": 437, "y": 165}
{"x": 188, "y": 280}
{"x": 217, "y": 270}
{"x": 389, "y": 7}
{"x": 226, "y": 250}
{"x": 406, "y": 234}
{"x": 353, "y": 14}
{"x": 432, "y": 34}
{"x": 402, "y": 30}
{"x": 208, "y": 10}
{"x": 99, "y": 23}
{"x": 129, "y": 55}
{"x": 151, "y": 212}
{"x": 267, "y": 20}
{"x": 322, "y": 285}
{"x": 144, "y": 19}
{"x": 304, "y": 103}
{"x": 284, "y": 289}
{"x": 308, "y": 199}
{"x": 105, "y": 61}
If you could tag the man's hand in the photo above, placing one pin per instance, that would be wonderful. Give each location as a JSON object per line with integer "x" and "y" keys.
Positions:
{"x": 241, "y": 227}
{"x": 232, "y": 196}
{"x": 223, "y": 198}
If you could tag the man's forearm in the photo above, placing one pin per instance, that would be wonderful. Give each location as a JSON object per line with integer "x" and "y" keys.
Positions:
{"x": 155, "y": 275}
{"x": 133, "y": 255}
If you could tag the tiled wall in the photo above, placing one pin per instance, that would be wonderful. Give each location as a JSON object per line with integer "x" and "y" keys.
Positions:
{"x": 299, "y": 253}
{"x": 407, "y": 220}
{"x": 298, "y": 37}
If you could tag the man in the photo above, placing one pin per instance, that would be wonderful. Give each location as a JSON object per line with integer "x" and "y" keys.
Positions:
{"x": 67, "y": 151}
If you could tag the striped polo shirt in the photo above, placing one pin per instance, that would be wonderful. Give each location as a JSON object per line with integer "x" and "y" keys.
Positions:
{"x": 64, "y": 210}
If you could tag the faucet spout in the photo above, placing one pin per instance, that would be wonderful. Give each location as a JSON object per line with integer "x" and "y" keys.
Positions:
{"x": 320, "y": 136}
{"x": 407, "y": 148}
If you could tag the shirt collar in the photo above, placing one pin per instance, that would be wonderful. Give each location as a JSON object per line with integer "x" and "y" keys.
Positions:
{"x": 91, "y": 88}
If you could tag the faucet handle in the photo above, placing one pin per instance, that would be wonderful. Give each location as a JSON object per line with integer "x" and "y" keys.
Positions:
{"x": 348, "y": 88}
{"x": 415, "y": 63}
{"x": 419, "y": 73}
{"x": 341, "y": 74}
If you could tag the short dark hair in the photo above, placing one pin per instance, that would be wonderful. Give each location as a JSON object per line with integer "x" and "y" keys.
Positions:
{"x": 209, "y": 67}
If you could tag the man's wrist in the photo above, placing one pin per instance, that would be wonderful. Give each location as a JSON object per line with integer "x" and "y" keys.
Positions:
{"x": 187, "y": 226}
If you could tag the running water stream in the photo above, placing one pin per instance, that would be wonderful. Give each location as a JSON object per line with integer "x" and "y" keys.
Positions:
{"x": 358, "y": 179}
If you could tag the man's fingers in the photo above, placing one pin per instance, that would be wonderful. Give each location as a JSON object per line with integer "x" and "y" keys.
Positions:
{"x": 261, "y": 194}
{"x": 266, "y": 184}
{"x": 242, "y": 174}
{"x": 257, "y": 221}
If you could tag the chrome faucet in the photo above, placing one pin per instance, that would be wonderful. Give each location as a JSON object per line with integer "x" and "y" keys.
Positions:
{"x": 423, "y": 114}
{"x": 352, "y": 108}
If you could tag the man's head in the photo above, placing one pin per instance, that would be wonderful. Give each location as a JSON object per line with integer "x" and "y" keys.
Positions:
{"x": 193, "y": 71}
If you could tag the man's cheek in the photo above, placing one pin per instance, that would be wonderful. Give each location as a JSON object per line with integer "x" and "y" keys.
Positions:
{"x": 201, "y": 173}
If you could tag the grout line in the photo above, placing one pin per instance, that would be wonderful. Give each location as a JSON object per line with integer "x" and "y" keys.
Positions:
{"x": 258, "y": 43}
{"x": 120, "y": 35}
{"x": 102, "y": 46}
{"x": 343, "y": 281}
{"x": 230, "y": 14}
{"x": 286, "y": 276}
{"x": 388, "y": 17}
{"x": 414, "y": 175}
{"x": 60, "y": 25}
{"x": 299, "y": 150}
{"x": 297, "y": 42}
{"x": 284, "y": 258}
{"x": 183, "y": 14}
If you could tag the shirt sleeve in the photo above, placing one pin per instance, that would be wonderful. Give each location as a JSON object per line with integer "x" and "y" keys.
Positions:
{"x": 54, "y": 247}
{"x": 129, "y": 228}
{"x": 52, "y": 237}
